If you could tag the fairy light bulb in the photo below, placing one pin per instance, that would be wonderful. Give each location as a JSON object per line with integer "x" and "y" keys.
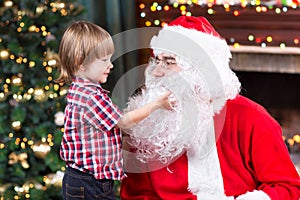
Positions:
{"x": 236, "y": 13}
{"x": 282, "y": 45}
{"x": 16, "y": 80}
{"x": 32, "y": 28}
{"x": 52, "y": 62}
{"x": 39, "y": 9}
{"x": 236, "y": 45}
{"x": 4, "y": 54}
{"x": 142, "y": 6}
{"x": 143, "y": 14}
{"x": 148, "y": 23}
{"x": 250, "y": 37}
{"x": 210, "y": 11}
{"x": 8, "y": 3}
{"x": 16, "y": 125}
{"x": 156, "y": 22}
{"x": 277, "y": 11}
{"x": 153, "y": 8}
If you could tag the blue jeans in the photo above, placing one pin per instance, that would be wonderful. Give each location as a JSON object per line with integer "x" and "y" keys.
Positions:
{"x": 78, "y": 185}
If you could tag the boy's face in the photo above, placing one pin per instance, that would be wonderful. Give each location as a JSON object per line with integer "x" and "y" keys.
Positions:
{"x": 98, "y": 70}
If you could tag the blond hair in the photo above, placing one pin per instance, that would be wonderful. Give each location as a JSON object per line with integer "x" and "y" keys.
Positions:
{"x": 81, "y": 44}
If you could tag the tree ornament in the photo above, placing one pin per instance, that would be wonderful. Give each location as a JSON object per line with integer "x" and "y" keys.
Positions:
{"x": 3, "y": 96}
{"x": 13, "y": 102}
{"x": 52, "y": 58}
{"x": 41, "y": 149}
{"x": 16, "y": 125}
{"x": 4, "y": 187}
{"x": 18, "y": 158}
{"x": 40, "y": 95}
{"x": 50, "y": 38}
{"x": 59, "y": 118}
{"x": 54, "y": 179}
{"x": 16, "y": 80}
{"x": 40, "y": 9}
{"x": 32, "y": 183}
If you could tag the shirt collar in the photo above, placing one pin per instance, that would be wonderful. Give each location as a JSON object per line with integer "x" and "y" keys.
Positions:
{"x": 87, "y": 82}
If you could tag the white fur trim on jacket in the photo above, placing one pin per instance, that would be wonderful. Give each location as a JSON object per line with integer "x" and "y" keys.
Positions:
{"x": 254, "y": 195}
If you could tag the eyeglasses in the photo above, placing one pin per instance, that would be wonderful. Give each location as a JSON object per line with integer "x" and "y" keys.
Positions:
{"x": 165, "y": 61}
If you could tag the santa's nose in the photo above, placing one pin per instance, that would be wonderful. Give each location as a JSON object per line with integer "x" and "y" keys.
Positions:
{"x": 159, "y": 70}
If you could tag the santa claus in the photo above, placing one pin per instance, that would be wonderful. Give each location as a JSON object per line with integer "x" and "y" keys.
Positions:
{"x": 215, "y": 144}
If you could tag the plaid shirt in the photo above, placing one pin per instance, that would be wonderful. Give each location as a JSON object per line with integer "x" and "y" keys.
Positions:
{"x": 91, "y": 142}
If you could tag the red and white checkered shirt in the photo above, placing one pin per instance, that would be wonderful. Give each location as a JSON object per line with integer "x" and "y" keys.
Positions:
{"x": 91, "y": 141}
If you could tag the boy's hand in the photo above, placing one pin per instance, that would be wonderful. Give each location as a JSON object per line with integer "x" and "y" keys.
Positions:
{"x": 165, "y": 102}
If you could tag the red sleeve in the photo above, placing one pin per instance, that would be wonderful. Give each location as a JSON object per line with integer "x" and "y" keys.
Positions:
{"x": 253, "y": 155}
{"x": 272, "y": 165}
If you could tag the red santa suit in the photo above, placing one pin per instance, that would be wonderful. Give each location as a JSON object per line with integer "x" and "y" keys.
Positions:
{"x": 252, "y": 157}
{"x": 249, "y": 160}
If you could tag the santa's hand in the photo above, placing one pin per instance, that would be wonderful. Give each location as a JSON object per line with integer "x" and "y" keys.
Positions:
{"x": 255, "y": 195}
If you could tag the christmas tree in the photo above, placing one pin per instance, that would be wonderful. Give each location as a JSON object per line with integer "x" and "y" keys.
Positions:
{"x": 31, "y": 102}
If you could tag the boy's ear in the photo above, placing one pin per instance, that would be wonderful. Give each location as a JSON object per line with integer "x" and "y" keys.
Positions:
{"x": 81, "y": 67}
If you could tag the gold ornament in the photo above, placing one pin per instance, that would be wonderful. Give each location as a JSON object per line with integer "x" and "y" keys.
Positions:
{"x": 16, "y": 80}
{"x": 52, "y": 58}
{"x": 3, "y": 188}
{"x": 18, "y": 158}
{"x": 41, "y": 149}
{"x": 32, "y": 183}
{"x": 40, "y": 9}
{"x": 32, "y": 28}
{"x": 54, "y": 179}
{"x": 40, "y": 95}
{"x": 16, "y": 125}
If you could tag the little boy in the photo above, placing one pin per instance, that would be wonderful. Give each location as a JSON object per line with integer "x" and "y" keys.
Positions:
{"x": 91, "y": 144}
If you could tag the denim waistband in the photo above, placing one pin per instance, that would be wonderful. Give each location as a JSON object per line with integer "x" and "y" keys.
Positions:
{"x": 79, "y": 174}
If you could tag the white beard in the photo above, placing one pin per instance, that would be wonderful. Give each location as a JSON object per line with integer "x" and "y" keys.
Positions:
{"x": 165, "y": 135}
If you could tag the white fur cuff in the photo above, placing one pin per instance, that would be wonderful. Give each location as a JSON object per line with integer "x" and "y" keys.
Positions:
{"x": 255, "y": 195}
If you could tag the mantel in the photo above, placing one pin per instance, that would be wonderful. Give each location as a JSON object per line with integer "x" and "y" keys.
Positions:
{"x": 267, "y": 59}
{"x": 265, "y": 50}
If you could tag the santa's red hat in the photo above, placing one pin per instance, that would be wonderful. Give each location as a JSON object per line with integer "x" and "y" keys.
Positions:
{"x": 197, "y": 23}
{"x": 195, "y": 40}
